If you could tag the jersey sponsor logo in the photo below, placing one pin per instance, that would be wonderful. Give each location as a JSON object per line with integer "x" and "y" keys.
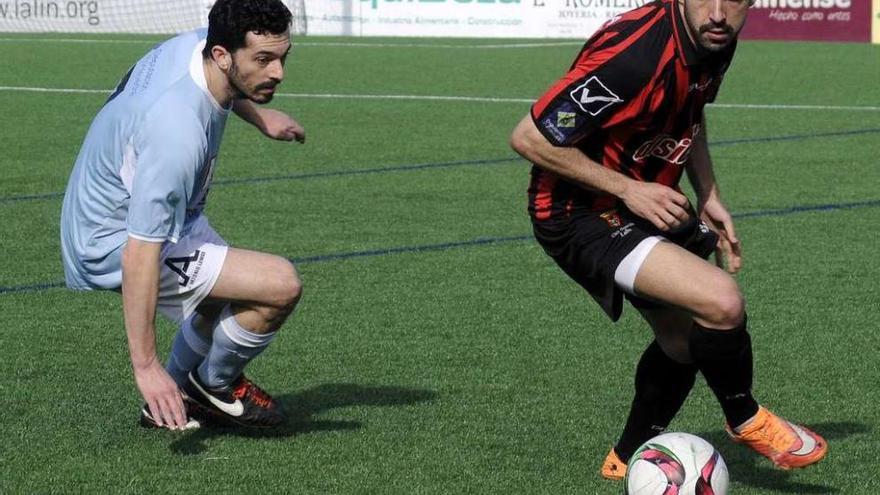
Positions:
{"x": 560, "y": 122}
{"x": 593, "y": 97}
{"x": 181, "y": 266}
{"x": 566, "y": 119}
{"x": 550, "y": 127}
{"x": 667, "y": 148}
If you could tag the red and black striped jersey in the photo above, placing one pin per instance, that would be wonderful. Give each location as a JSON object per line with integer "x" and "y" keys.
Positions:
{"x": 632, "y": 101}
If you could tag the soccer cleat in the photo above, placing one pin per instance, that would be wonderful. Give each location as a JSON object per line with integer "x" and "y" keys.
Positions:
{"x": 195, "y": 417}
{"x": 613, "y": 468}
{"x": 786, "y": 444}
{"x": 242, "y": 403}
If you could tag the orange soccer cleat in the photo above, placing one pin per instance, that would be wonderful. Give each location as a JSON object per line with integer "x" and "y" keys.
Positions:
{"x": 613, "y": 468}
{"x": 786, "y": 444}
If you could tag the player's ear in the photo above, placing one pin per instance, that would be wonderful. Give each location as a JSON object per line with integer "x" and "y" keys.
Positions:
{"x": 221, "y": 57}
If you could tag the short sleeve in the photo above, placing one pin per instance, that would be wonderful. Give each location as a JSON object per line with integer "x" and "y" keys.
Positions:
{"x": 600, "y": 88}
{"x": 168, "y": 154}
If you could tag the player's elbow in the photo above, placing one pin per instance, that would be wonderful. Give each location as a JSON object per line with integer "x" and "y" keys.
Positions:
{"x": 517, "y": 142}
{"x": 523, "y": 138}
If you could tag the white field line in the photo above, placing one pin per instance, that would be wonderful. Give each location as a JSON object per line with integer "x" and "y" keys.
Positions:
{"x": 53, "y": 90}
{"x": 795, "y": 107}
{"x": 475, "y": 99}
{"x": 83, "y": 40}
{"x": 343, "y": 44}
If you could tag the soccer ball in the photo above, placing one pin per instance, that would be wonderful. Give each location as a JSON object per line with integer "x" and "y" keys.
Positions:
{"x": 676, "y": 464}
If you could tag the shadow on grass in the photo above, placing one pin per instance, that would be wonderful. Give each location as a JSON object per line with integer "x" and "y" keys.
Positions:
{"x": 751, "y": 469}
{"x": 300, "y": 409}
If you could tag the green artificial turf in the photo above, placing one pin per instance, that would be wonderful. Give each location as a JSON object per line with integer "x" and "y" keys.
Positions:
{"x": 437, "y": 349}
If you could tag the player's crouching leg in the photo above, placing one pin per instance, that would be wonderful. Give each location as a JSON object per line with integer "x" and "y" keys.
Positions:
{"x": 264, "y": 291}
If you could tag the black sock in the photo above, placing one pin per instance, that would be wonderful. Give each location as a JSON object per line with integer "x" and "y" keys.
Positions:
{"x": 662, "y": 385}
{"x": 725, "y": 359}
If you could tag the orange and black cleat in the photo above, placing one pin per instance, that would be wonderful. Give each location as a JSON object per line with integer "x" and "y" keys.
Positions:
{"x": 786, "y": 444}
{"x": 613, "y": 468}
{"x": 242, "y": 403}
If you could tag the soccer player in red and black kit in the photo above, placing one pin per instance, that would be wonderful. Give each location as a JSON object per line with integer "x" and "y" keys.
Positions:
{"x": 609, "y": 143}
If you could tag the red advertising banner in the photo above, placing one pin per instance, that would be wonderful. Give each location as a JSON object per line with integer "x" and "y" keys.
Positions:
{"x": 809, "y": 20}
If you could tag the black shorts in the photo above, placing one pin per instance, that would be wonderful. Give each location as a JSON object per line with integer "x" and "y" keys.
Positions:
{"x": 589, "y": 246}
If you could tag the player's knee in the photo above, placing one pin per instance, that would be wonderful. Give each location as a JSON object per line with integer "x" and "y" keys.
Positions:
{"x": 288, "y": 288}
{"x": 727, "y": 307}
{"x": 283, "y": 291}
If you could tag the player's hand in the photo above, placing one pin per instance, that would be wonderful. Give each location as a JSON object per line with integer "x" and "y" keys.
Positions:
{"x": 663, "y": 206}
{"x": 729, "y": 250}
{"x": 280, "y": 126}
{"x": 161, "y": 395}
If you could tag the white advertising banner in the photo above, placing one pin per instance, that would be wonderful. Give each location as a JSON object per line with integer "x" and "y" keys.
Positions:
{"x": 441, "y": 18}
{"x": 102, "y": 16}
{"x": 463, "y": 18}
{"x": 115, "y": 16}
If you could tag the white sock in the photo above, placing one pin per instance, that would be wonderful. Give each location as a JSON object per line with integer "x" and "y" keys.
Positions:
{"x": 188, "y": 350}
{"x": 232, "y": 349}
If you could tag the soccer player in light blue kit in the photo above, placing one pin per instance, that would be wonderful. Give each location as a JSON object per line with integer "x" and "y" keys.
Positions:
{"x": 132, "y": 217}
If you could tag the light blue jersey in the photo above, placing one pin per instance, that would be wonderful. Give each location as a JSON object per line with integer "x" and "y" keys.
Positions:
{"x": 146, "y": 165}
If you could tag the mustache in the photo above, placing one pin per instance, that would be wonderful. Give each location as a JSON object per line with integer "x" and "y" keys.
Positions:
{"x": 268, "y": 85}
{"x": 716, "y": 27}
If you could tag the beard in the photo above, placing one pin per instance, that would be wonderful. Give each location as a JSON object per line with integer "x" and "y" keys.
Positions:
{"x": 727, "y": 29}
{"x": 241, "y": 91}
{"x": 700, "y": 33}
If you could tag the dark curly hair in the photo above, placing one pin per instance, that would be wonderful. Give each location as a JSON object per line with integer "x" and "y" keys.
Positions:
{"x": 231, "y": 20}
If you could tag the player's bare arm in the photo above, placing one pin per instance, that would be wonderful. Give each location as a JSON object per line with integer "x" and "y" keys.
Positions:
{"x": 662, "y": 205}
{"x": 140, "y": 288}
{"x": 273, "y": 123}
{"x": 711, "y": 209}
